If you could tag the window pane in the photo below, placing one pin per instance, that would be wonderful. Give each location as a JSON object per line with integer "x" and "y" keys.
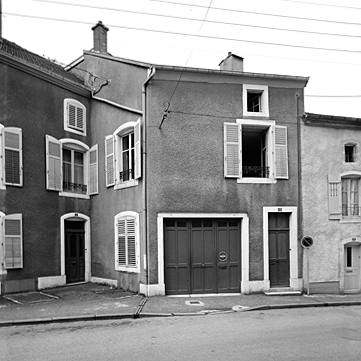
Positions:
{"x": 349, "y": 153}
{"x": 78, "y": 158}
{"x": 125, "y": 142}
{"x": 254, "y": 102}
{"x": 348, "y": 256}
{"x": 67, "y": 155}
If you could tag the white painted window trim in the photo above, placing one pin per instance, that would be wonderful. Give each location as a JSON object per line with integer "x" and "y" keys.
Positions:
{"x": 264, "y": 100}
{"x": 244, "y": 244}
{"x": 68, "y": 128}
{"x": 3, "y": 270}
{"x": 2, "y": 163}
{"x": 295, "y": 281}
{"x": 87, "y": 241}
{"x": 124, "y": 129}
{"x": 270, "y": 148}
{"x": 80, "y": 146}
{"x": 127, "y": 269}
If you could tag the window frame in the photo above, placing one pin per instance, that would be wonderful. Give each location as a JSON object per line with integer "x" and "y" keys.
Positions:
{"x": 127, "y": 215}
{"x": 264, "y": 105}
{"x": 78, "y": 105}
{"x": 354, "y": 145}
{"x": 347, "y": 180}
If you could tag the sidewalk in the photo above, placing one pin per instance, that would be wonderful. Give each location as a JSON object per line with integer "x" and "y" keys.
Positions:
{"x": 92, "y": 301}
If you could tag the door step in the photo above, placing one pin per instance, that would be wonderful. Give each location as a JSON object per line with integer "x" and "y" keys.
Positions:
{"x": 282, "y": 292}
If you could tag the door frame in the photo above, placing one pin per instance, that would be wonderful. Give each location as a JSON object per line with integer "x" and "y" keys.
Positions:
{"x": 351, "y": 241}
{"x": 295, "y": 282}
{"x": 76, "y": 217}
{"x": 160, "y": 287}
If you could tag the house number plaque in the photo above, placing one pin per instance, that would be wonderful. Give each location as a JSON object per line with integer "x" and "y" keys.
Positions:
{"x": 223, "y": 256}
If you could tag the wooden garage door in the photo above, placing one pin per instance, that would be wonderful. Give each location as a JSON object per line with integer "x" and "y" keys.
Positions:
{"x": 202, "y": 255}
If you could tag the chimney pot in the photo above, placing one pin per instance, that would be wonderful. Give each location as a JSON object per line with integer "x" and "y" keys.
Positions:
{"x": 100, "y": 38}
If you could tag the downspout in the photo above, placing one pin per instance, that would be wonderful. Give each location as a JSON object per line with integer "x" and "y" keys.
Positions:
{"x": 145, "y": 194}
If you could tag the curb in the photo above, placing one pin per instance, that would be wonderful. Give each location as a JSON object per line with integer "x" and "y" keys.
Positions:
{"x": 138, "y": 314}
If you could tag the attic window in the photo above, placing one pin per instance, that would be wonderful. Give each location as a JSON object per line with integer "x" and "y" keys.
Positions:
{"x": 350, "y": 153}
{"x": 74, "y": 116}
{"x": 254, "y": 101}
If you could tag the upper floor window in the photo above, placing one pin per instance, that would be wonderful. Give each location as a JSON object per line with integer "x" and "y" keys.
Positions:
{"x": 74, "y": 116}
{"x": 122, "y": 156}
{"x": 71, "y": 167}
{"x": 350, "y": 153}
{"x": 11, "y": 157}
{"x": 255, "y": 100}
{"x": 255, "y": 151}
{"x": 351, "y": 196}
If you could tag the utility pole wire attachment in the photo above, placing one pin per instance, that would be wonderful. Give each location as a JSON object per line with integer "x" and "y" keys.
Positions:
{"x": 165, "y": 114}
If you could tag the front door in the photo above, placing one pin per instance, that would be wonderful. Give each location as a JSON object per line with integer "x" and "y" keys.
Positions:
{"x": 202, "y": 255}
{"x": 279, "y": 249}
{"x": 74, "y": 252}
{"x": 352, "y": 268}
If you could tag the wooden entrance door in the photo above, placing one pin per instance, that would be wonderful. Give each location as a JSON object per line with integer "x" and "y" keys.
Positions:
{"x": 279, "y": 249}
{"x": 352, "y": 268}
{"x": 74, "y": 252}
{"x": 202, "y": 255}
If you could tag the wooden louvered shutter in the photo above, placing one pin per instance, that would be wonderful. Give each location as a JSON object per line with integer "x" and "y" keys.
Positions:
{"x": 281, "y": 171}
{"x": 334, "y": 196}
{"x": 131, "y": 246}
{"x": 75, "y": 116}
{"x": 109, "y": 160}
{"x": 93, "y": 170}
{"x": 122, "y": 247}
{"x": 53, "y": 164}
{"x": 232, "y": 147}
{"x": 137, "y": 147}
{"x": 126, "y": 241}
{"x": 13, "y": 156}
{"x": 13, "y": 241}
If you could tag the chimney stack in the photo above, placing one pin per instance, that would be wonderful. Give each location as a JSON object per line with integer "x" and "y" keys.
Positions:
{"x": 232, "y": 63}
{"x": 100, "y": 38}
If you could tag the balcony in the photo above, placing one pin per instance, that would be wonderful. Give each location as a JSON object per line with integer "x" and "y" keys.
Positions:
{"x": 255, "y": 172}
{"x": 74, "y": 188}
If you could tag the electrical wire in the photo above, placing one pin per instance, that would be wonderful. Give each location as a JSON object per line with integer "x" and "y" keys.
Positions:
{"x": 203, "y": 21}
{"x": 192, "y": 35}
{"x": 319, "y": 4}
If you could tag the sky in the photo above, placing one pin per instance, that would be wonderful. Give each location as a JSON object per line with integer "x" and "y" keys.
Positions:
{"x": 320, "y": 39}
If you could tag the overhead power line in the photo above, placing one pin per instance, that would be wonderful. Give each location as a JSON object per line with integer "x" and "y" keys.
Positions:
{"x": 319, "y": 4}
{"x": 333, "y": 96}
{"x": 213, "y": 8}
{"x": 200, "y": 20}
{"x": 194, "y": 35}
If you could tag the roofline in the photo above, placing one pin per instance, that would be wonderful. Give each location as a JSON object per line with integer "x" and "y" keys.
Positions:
{"x": 44, "y": 74}
{"x": 74, "y": 63}
{"x": 331, "y": 121}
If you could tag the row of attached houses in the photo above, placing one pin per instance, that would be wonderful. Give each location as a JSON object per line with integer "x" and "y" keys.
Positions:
{"x": 171, "y": 180}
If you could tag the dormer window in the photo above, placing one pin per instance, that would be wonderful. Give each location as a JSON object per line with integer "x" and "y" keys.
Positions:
{"x": 350, "y": 151}
{"x": 74, "y": 116}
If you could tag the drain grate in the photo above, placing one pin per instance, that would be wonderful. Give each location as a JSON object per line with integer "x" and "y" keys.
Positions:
{"x": 30, "y": 297}
{"x": 194, "y": 303}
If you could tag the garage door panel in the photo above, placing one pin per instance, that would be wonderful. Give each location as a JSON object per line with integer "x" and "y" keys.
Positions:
{"x": 183, "y": 248}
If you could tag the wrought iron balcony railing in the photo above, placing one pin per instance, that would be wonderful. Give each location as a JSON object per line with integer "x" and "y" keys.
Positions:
{"x": 74, "y": 187}
{"x": 125, "y": 175}
{"x": 255, "y": 171}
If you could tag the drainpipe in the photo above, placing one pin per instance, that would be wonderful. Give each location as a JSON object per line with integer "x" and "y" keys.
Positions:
{"x": 145, "y": 194}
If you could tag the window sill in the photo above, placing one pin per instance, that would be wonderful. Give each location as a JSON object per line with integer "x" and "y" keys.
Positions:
{"x": 256, "y": 114}
{"x": 79, "y": 132}
{"x": 257, "y": 180}
{"x": 73, "y": 195}
{"x": 350, "y": 220}
{"x": 128, "y": 270}
{"x": 128, "y": 184}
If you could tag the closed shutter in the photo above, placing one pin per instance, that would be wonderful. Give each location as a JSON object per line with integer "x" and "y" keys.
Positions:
{"x": 93, "y": 170}
{"x": 126, "y": 242}
{"x": 334, "y": 196}
{"x": 109, "y": 160}
{"x": 75, "y": 116}
{"x": 13, "y": 156}
{"x": 232, "y": 150}
{"x": 13, "y": 241}
{"x": 281, "y": 152}
{"x": 138, "y": 155}
{"x": 53, "y": 164}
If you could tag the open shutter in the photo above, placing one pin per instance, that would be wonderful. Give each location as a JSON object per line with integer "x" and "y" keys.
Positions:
{"x": 232, "y": 150}
{"x": 13, "y": 156}
{"x": 53, "y": 164}
{"x": 109, "y": 160}
{"x": 334, "y": 196}
{"x": 281, "y": 152}
{"x": 93, "y": 170}
{"x": 138, "y": 155}
{"x": 121, "y": 242}
{"x": 13, "y": 241}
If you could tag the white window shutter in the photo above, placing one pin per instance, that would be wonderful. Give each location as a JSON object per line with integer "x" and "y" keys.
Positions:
{"x": 281, "y": 152}
{"x": 13, "y": 156}
{"x": 334, "y": 196}
{"x": 13, "y": 241}
{"x": 121, "y": 242}
{"x": 138, "y": 155}
{"x": 53, "y": 164}
{"x": 232, "y": 150}
{"x": 93, "y": 170}
{"x": 131, "y": 243}
{"x": 109, "y": 160}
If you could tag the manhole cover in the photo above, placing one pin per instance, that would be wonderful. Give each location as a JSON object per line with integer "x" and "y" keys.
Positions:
{"x": 31, "y": 297}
